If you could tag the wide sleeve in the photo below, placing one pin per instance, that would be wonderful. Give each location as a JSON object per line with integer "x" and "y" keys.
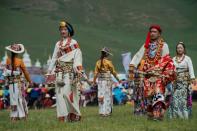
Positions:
{"x": 54, "y": 58}
{"x": 26, "y": 74}
{"x": 137, "y": 57}
{"x": 165, "y": 50}
{"x": 78, "y": 61}
{"x": 191, "y": 69}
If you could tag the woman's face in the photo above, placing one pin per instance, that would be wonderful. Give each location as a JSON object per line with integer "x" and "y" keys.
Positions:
{"x": 64, "y": 32}
{"x": 180, "y": 49}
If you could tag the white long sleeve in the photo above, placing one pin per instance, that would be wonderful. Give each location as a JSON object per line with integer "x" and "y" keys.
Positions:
{"x": 191, "y": 69}
{"x": 54, "y": 58}
{"x": 77, "y": 58}
{"x": 187, "y": 64}
{"x": 165, "y": 49}
{"x": 138, "y": 56}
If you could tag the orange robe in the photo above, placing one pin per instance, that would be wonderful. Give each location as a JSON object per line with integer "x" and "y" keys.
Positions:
{"x": 19, "y": 63}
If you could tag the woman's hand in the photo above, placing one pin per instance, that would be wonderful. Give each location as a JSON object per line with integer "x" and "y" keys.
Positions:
{"x": 94, "y": 84}
{"x": 49, "y": 72}
{"x": 31, "y": 84}
{"x": 62, "y": 47}
{"x": 193, "y": 81}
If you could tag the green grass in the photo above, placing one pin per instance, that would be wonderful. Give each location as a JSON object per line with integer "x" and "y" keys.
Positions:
{"x": 120, "y": 25}
{"x": 121, "y": 119}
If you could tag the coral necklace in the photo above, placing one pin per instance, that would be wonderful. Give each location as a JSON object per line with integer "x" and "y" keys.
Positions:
{"x": 158, "y": 54}
{"x": 180, "y": 59}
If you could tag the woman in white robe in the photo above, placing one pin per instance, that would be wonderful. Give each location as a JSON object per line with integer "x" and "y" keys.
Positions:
{"x": 182, "y": 85}
{"x": 66, "y": 64}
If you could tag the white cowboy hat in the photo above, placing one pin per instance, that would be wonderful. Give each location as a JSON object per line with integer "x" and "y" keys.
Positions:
{"x": 16, "y": 48}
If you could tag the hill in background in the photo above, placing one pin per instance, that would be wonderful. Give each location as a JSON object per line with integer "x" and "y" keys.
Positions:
{"x": 119, "y": 24}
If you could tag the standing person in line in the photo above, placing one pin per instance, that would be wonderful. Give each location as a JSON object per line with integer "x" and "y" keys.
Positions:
{"x": 15, "y": 69}
{"x": 66, "y": 64}
{"x": 103, "y": 70}
{"x": 157, "y": 69}
{"x": 181, "y": 99}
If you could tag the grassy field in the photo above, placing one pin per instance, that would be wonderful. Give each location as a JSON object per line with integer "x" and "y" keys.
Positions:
{"x": 121, "y": 119}
{"x": 120, "y": 25}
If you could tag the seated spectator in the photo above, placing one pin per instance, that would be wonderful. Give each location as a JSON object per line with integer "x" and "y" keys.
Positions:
{"x": 47, "y": 103}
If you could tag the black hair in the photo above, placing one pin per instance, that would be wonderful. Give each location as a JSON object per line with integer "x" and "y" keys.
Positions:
{"x": 180, "y": 43}
{"x": 103, "y": 55}
{"x": 69, "y": 28}
{"x": 13, "y": 55}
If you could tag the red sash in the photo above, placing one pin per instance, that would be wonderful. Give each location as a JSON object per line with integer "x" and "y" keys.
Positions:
{"x": 71, "y": 48}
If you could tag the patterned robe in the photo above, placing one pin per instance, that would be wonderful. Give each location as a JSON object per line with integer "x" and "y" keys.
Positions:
{"x": 182, "y": 89}
{"x": 155, "y": 63}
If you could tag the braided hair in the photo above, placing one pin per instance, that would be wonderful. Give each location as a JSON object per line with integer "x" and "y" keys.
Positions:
{"x": 103, "y": 55}
{"x": 12, "y": 61}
